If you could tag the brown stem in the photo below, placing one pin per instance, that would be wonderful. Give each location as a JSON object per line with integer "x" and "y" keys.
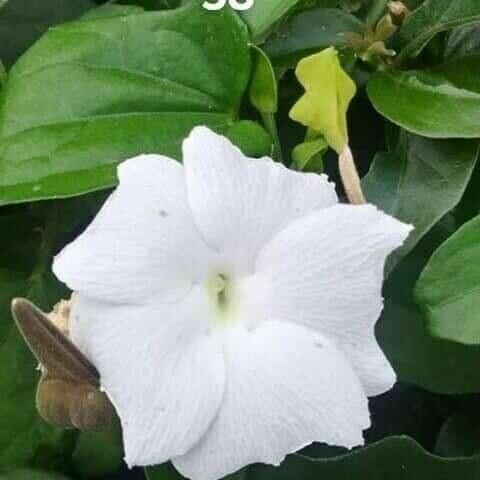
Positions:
{"x": 350, "y": 177}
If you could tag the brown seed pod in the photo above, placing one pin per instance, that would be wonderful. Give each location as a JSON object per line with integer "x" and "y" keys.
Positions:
{"x": 68, "y": 393}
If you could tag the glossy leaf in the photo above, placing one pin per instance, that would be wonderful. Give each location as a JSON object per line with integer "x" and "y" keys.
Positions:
{"x": 396, "y": 458}
{"x": 328, "y": 93}
{"x": 449, "y": 288}
{"x": 23, "y": 21}
{"x": 262, "y": 17}
{"x": 440, "y": 103}
{"x": 463, "y": 41}
{"x": 419, "y": 182}
{"x": 124, "y": 91}
{"x": 263, "y": 86}
{"x": 432, "y": 17}
{"x": 251, "y": 138}
{"x": 418, "y": 358}
{"x": 111, "y": 10}
{"x": 310, "y": 31}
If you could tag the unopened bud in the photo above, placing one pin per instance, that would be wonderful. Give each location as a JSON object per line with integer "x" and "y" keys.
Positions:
{"x": 385, "y": 28}
{"x": 398, "y": 11}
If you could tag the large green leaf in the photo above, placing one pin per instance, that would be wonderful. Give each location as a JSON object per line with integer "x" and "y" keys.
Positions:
{"x": 92, "y": 93}
{"x": 419, "y": 182}
{"x": 396, "y": 458}
{"x": 440, "y": 103}
{"x": 432, "y": 17}
{"x": 449, "y": 288}
{"x": 437, "y": 365}
{"x": 23, "y": 21}
{"x": 310, "y": 31}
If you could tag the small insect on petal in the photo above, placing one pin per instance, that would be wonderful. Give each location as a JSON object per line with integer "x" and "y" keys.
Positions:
{"x": 68, "y": 392}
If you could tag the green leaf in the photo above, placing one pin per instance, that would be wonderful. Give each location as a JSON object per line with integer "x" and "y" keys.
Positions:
{"x": 263, "y": 86}
{"x": 3, "y": 75}
{"x": 418, "y": 358}
{"x": 463, "y": 41}
{"x": 459, "y": 436}
{"x": 30, "y": 237}
{"x": 308, "y": 156}
{"x": 251, "y": 138}
{"x": 122, "y": 90}
{"x": 111, "y": 10}
{"x": 432, "y": 17}
{"x": 26, "y": 474}
{"x": 396, "y": 458}
{"x": 162, "y": 472}
{"x": 23, "y": 21}
{"x": 440, "y": 103}
{"x": 419, "y": 182}
{"x": 328, "y": 93}
{"x": 263, "y": 16}
{"x": 85, "y": 153}
{"x": 452, "y": 307}
{"x": 310, "y": 31}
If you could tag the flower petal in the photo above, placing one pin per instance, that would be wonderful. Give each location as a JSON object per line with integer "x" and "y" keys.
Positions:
{"x": 287, "y": 386}
{"x": 162, "y": 372}
{"x": 240, "y": 203}
{"x": 326, "y": 271}
{"x": 144, "y": 230}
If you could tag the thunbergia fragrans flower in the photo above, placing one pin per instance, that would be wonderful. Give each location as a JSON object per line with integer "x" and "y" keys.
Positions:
{"x": 229, "y": 305}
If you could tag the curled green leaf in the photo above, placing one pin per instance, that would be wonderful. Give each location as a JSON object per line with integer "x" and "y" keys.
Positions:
{"x": 263, "y": 86}
{"x": 308, "y": 156}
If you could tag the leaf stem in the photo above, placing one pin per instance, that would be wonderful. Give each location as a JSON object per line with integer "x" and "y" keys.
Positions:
{"x": 3, "y": 75}
{"x": 376, "y": 10}
{"x": 271, "y": 126}
{"x": 350, "y": 177}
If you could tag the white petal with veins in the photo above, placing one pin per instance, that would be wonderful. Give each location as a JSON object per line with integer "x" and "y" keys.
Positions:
{"x": 286, "y": 387}
{"x": 136, "y": 246}
{"x": 326, "y": 271}
{"x": 240, "y": 203}
{"x": 162, "y": 372}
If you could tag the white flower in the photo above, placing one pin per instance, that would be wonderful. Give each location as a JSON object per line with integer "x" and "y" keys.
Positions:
{"x": 229, "y": 305}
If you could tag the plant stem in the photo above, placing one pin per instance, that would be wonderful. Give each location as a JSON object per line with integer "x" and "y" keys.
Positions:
{"x": 3, "y": 75}
{"x": 271, "y": 126}
{"x": 376, "y": 10}
{"x": 350, "y": 177}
